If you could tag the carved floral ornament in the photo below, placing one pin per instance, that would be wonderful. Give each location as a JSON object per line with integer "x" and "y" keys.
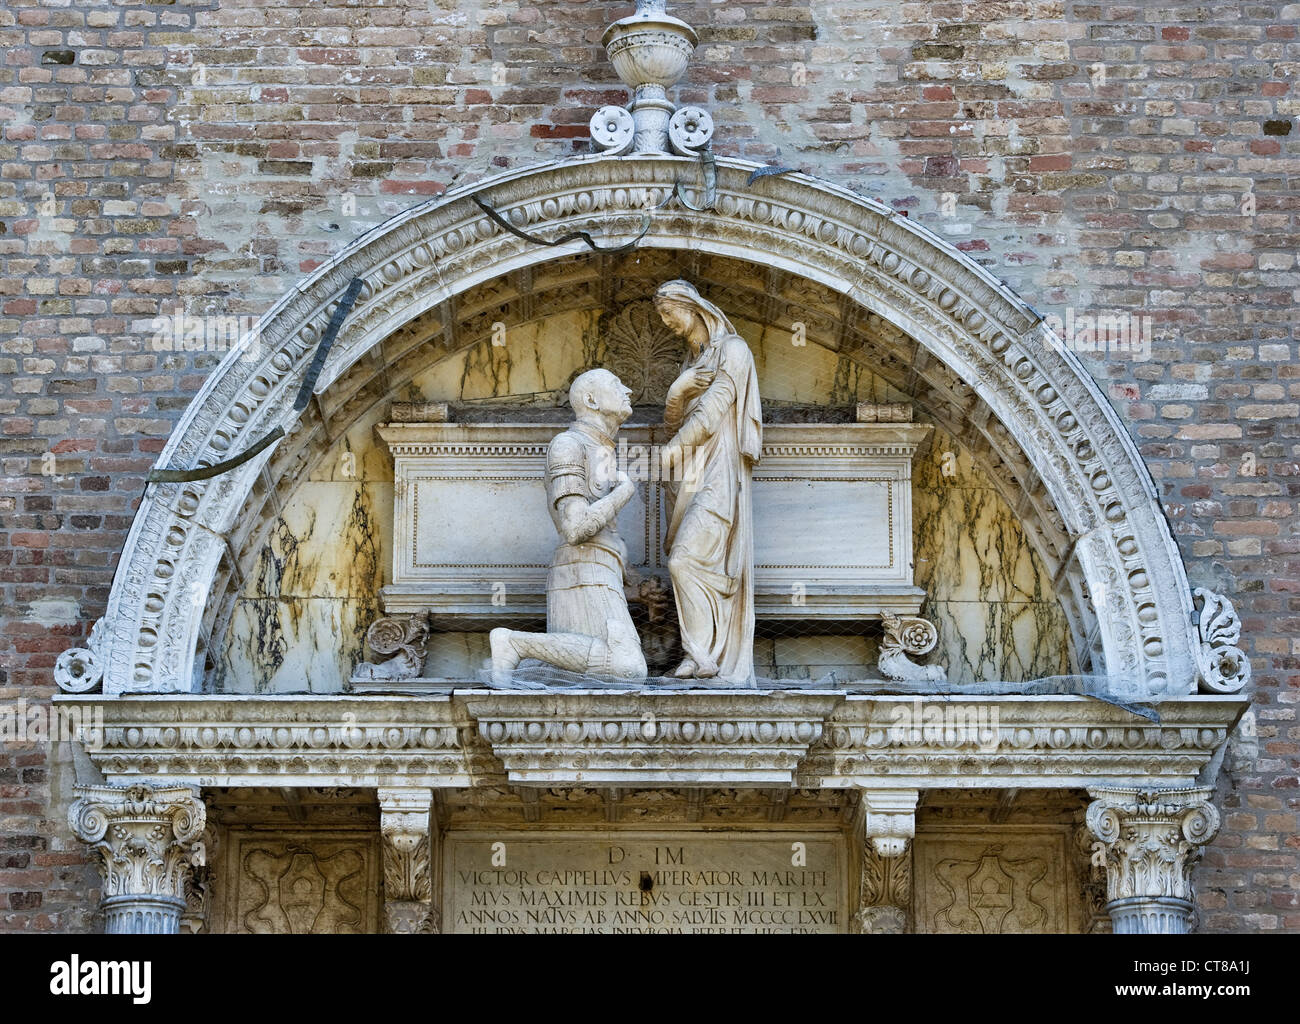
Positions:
{"x": 147, "y": 836}
{"x": 897, "y": 269}
{"x": 408, "y": 882}
{"x": 1150, "y": 840}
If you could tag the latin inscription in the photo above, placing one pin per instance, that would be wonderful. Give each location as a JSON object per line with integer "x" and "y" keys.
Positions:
{"x": 683, "y": 883}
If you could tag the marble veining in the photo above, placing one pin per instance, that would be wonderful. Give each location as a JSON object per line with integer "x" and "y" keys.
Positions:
{"x": 314, "y": 594}
{"x": 989, "y": 595}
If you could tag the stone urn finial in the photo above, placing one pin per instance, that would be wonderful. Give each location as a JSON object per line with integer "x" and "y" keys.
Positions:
{"x": 650, "y": 51}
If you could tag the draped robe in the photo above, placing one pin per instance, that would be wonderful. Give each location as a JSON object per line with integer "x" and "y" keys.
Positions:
{"x": 710, "y": 537}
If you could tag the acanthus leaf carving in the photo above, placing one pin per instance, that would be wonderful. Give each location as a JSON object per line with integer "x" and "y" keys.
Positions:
{"x": 1150, "y": 840}
{"x": 885, "y": 900}
{"x": 1222, "y": 667}
{"x": 405, "y": 828}
{"x": 147, "y": 841}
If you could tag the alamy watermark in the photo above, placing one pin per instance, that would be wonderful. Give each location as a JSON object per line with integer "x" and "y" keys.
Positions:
{"x": 183, "y": 332}
{"x": 1105, "y": 332}
{"x": 652, "y": 463}
{"x": 964, "y": 724}
{"x": 26, "y": 726}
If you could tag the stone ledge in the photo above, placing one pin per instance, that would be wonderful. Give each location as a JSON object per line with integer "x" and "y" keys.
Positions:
{"x": 810, "y": 739}
{"x": 727, "y": 737}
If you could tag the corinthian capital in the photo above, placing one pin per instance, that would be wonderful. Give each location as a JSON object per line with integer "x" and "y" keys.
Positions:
{"x": 1150, "y": 840}
{"x": 146, "y": 838}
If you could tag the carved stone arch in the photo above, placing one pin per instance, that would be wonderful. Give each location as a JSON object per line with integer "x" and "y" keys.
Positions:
{"x": 1045, "y": 412}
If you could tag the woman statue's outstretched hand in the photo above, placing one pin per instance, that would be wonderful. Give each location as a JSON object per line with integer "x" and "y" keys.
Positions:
{"x": 691, "y": 381}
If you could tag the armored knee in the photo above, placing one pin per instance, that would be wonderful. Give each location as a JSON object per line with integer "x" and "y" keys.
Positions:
{"x": 625, "y": 657}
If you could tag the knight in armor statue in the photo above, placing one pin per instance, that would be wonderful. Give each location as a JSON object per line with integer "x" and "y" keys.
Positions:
{"x": 589, "y": 628}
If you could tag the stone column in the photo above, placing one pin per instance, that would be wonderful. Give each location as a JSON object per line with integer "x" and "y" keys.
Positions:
{"x": 1150, "y": 840}
{"x": 405, "y": 824}
{"x": 885, "y": 899}
{"x": 146, "y": 838}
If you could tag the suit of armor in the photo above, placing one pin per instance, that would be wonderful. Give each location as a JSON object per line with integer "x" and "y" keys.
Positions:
{"x": 584, "y": 589}
{"x": 589, "y": 628}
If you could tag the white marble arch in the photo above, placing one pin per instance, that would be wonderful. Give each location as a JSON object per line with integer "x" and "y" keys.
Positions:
{"x": 993, "y": 341}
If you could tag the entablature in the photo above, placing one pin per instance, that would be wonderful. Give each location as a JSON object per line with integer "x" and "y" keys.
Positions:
{"x": 689, "y": 738}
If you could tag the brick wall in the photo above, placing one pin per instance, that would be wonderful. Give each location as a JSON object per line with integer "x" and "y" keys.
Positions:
{"x": 1098, "y": 157}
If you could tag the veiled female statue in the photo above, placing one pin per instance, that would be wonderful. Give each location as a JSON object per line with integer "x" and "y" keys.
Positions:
{"x": 714, "y": 415}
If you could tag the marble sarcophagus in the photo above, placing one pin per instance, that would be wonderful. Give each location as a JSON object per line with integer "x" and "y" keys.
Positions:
{"x": 473, "y": 540}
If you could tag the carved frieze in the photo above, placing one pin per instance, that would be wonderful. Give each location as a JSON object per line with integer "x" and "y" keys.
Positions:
{"x": 820, "y": 739}
{"x": 617, "y": 738}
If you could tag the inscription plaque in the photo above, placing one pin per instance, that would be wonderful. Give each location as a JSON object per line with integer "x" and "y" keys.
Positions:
{"x": 663, "y": 882}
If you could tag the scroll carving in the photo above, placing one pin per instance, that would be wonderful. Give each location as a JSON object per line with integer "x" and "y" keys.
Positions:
{"x": 81, "y": 669}
{"x": 406, "y": 638}
{"x": 1222, "y": 667}
{"x": 904, "y": 636}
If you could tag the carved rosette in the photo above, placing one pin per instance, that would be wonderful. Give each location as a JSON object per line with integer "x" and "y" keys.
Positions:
{"x": 406, "y": 638}
{"x": 1150, "y": 840}
{"x": 906, "y": 635}
{"x": 146, "y": 838}
{"x": 408, "y": 879}
{"x": 885, "y": 900}
{"x": 1222, "y": 667}
{"x": 81, "y": 669}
